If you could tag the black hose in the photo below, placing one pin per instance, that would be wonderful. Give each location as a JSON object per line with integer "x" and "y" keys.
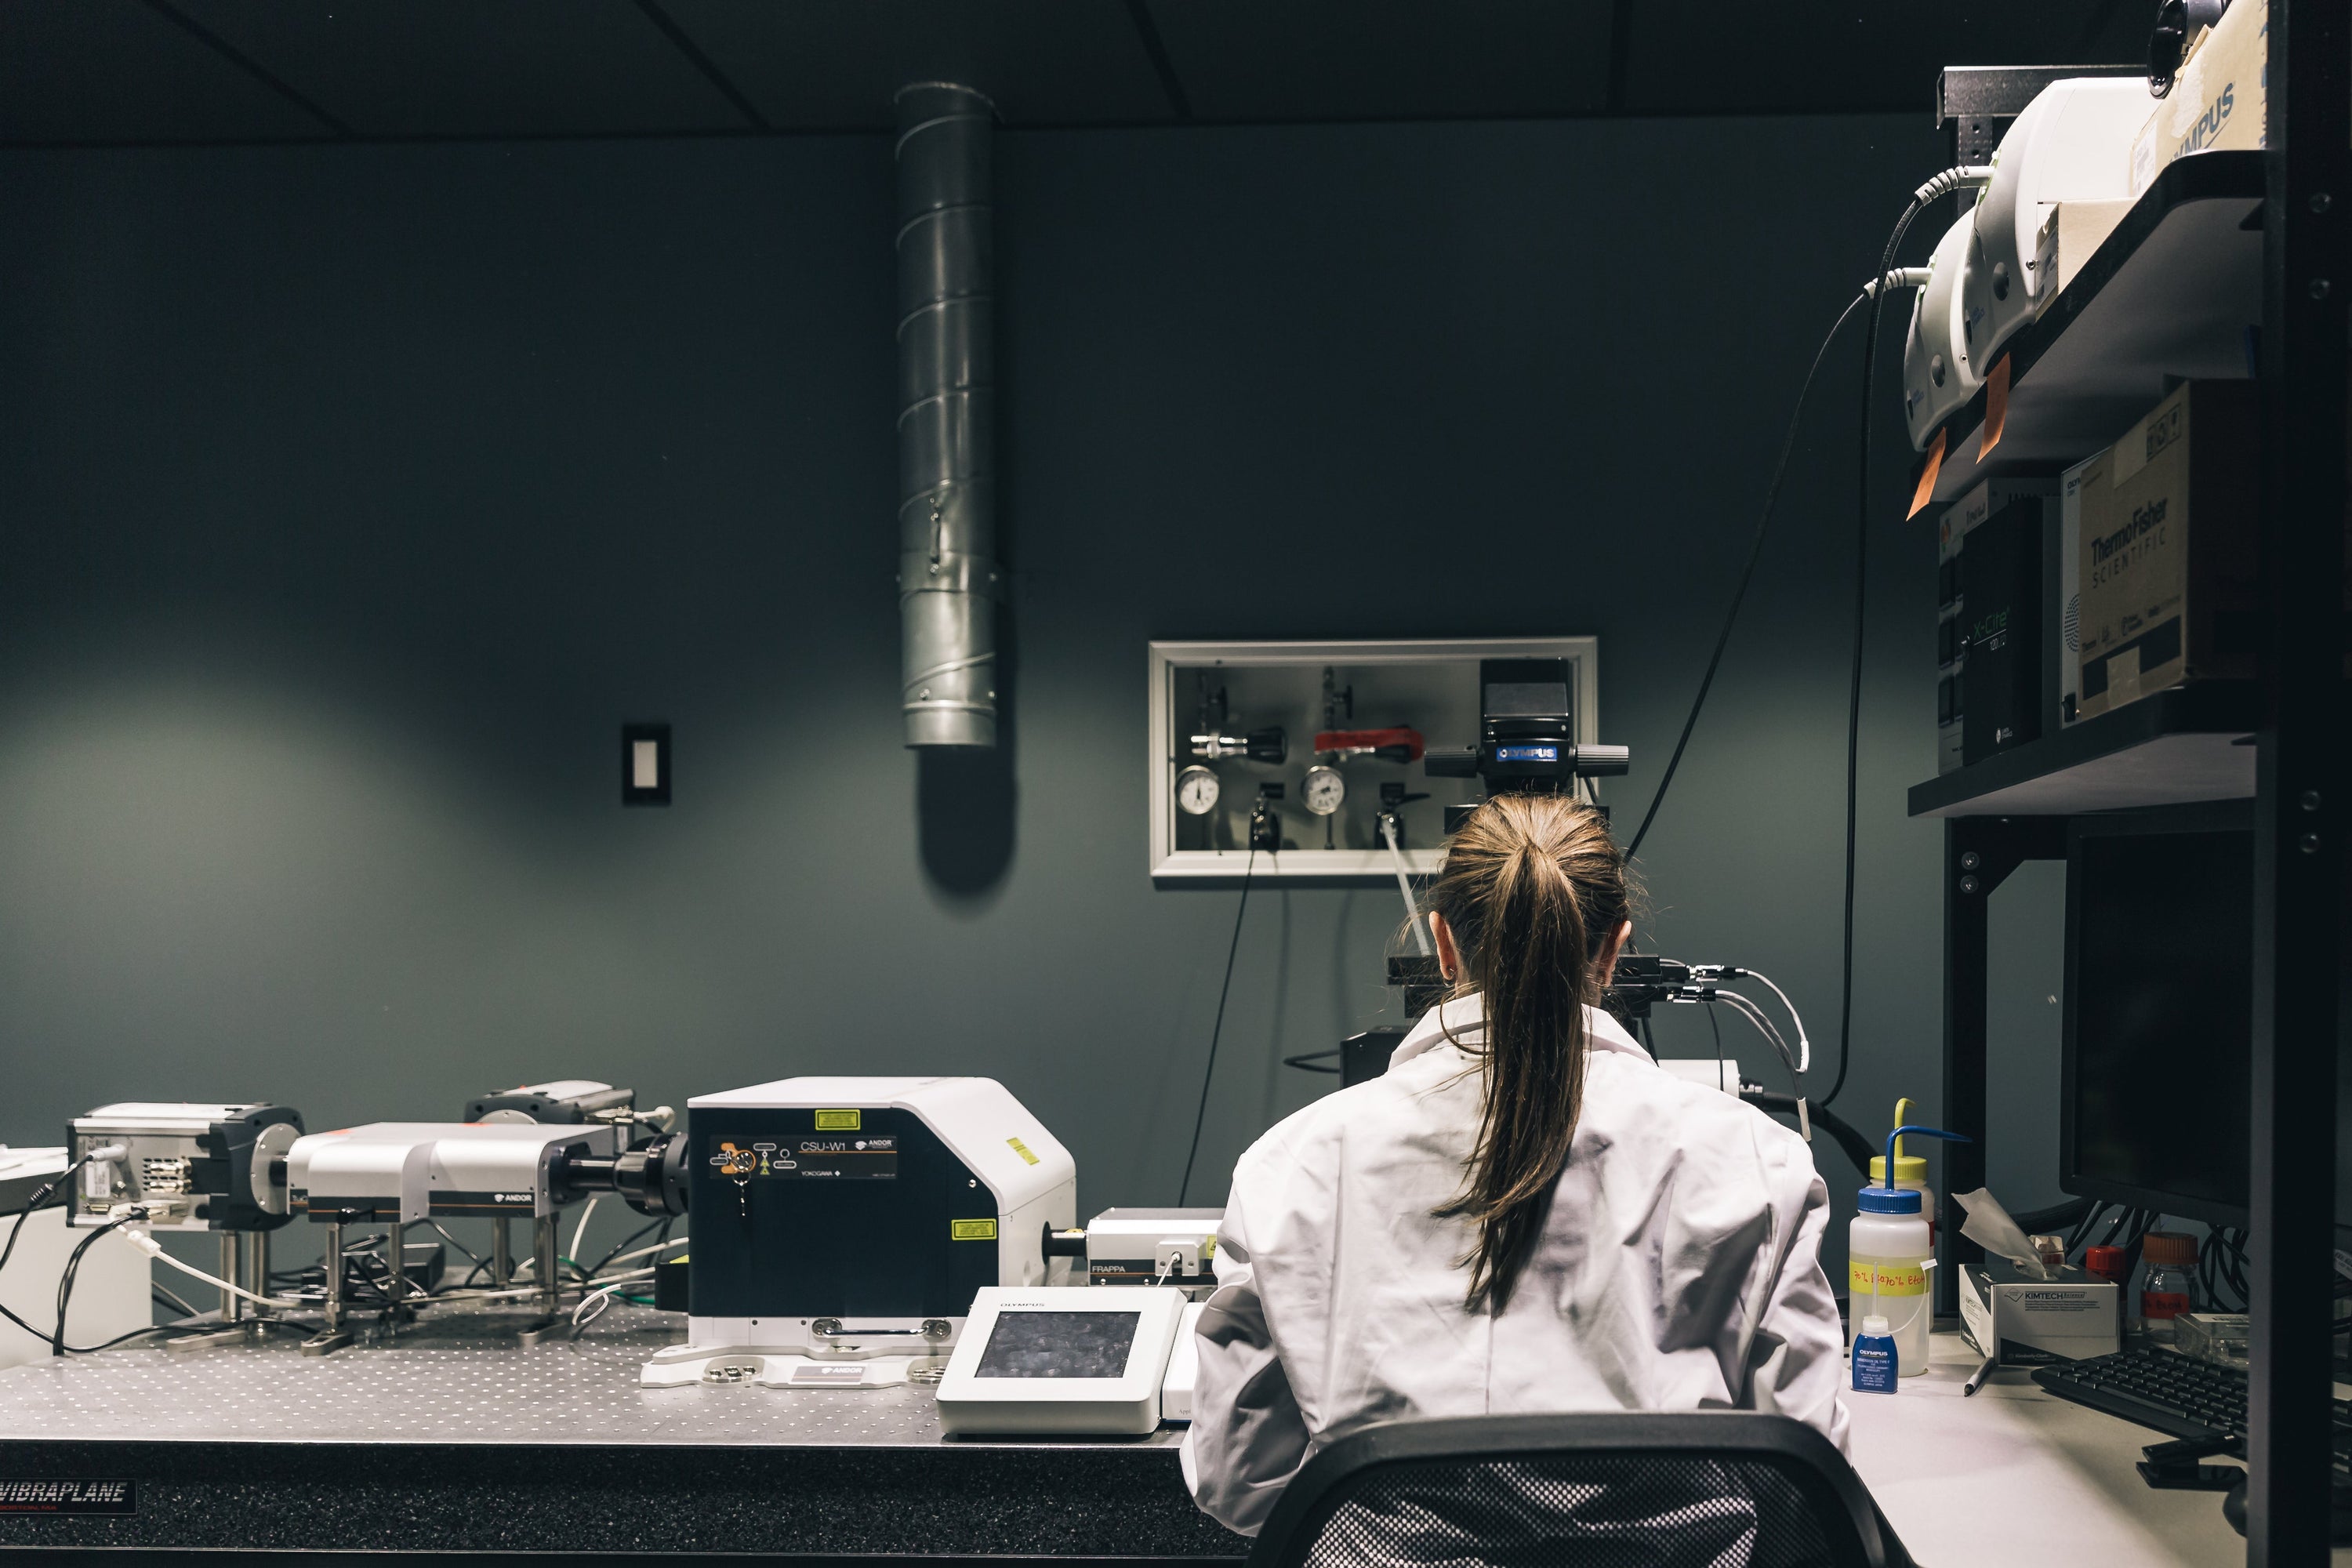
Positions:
{"x": 1933, "y": 191}
{"x": 1200, "y": 1116}
{"x": 1746, "y": 575}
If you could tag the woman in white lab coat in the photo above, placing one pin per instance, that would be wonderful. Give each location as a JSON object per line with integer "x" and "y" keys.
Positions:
{"x": 1526, "y": 1214}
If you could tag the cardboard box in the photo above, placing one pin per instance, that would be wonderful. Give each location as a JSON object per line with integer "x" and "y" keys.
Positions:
{"x": 2167, "y": 518}
{"x": 2072, "y": 232}
{"x": 2035, "y": 1322}
{"x": 2217, "y": 101}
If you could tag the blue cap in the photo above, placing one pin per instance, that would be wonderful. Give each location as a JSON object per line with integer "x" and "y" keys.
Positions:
{"x": 1890, "y": 1200}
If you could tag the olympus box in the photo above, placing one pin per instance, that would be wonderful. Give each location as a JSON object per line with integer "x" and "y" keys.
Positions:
{"x": 2164, "y": 562}
{"x": 2033, "y": 1322}
{"x": 2217, "y": 101}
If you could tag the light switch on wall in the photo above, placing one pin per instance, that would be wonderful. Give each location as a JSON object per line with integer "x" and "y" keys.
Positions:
{"x": 644, "y": 764}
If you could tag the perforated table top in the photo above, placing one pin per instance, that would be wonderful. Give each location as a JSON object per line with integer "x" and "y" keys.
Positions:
{"x": 459, "y": 1376}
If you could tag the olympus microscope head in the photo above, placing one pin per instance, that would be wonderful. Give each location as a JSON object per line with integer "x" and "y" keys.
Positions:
{"x": 2073, "y": 142}
{"x": 1938, "y": 375}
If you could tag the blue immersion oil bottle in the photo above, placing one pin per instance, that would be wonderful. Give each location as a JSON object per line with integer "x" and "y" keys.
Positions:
{"x": 1875, "y": 1367}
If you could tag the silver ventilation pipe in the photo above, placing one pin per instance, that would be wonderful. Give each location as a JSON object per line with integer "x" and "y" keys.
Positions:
{"x": 948, "y": 575}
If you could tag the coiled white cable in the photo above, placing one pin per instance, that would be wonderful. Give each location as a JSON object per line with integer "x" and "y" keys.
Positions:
{"x": 1748, "y": 1010}
{"x": 645, "y": 1251}
{"x": 580, "y": 1231}
{"x": 1804, "y": 1045}
{"x": 153, "y": 1248}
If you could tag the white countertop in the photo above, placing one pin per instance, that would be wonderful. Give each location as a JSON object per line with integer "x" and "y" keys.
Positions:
{"x": 2014, "y": 1477}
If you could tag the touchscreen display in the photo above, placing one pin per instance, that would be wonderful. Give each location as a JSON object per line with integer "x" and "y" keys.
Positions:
{"x": 1058, "y": 1345}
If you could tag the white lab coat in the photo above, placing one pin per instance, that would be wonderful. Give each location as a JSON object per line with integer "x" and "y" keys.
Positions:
{"x": 1679, "y": 1268}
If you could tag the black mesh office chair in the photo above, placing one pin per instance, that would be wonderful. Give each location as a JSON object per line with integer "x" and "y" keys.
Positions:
{"x": 1685, "y": 1489}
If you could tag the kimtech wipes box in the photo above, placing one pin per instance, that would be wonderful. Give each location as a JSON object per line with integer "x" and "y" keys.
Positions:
{"x": 2166, "y": 568}
{"x": 2032, "y": 1322}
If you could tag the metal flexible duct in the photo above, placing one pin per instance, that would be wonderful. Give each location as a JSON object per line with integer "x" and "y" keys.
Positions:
{"x": 948, "y": 576}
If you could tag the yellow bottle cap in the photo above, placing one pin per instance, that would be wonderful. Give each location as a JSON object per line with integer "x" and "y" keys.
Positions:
{"x": 1907, "y": 1167}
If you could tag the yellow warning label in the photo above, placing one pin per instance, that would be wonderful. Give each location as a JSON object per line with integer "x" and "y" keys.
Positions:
{"x": 971, "y": 1230}
{"x": 837, "y": 1120}
{"x": 1023, "y": 1149}
{"x": 1865, "y": 1278}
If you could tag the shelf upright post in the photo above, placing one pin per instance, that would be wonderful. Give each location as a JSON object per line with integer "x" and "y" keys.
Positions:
{"x": 1979, "y": 852}
{"x": 2302, "y": 806}
{"x": 1967, "y": 935}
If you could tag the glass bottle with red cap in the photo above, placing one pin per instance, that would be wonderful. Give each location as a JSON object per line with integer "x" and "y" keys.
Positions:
{"x": 2163, "y": 1290}
{"x": 2112, "y": 1264}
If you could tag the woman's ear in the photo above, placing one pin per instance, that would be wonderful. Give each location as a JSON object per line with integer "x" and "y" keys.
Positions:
{"x": 1616, "y": 944}
{"x": 1449, "y": 957}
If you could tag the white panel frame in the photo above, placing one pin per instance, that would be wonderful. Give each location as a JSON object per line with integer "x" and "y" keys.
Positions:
{"x": 1170, "y": 864}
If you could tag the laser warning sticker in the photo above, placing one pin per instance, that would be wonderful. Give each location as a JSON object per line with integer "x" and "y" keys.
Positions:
{"x": 1022, "y": 1149}
{"x": 838, "y": 1120}
{"x": 18, "y": 1497}
{"x": 971, "y": 1230}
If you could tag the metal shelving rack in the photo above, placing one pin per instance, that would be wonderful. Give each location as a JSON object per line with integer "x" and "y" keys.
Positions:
{"x": 2280, "y": 740}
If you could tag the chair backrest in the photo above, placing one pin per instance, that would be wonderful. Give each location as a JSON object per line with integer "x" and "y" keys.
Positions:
{"x": 1667, "y": 1489}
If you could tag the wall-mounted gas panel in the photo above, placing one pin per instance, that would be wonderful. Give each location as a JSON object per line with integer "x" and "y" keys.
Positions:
{"x": 1297, "y": 747}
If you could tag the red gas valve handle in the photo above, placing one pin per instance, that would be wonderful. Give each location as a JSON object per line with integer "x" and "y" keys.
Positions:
{"x": 1398, "y": 745}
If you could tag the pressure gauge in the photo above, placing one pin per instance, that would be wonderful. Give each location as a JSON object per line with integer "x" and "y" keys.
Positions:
{"x": 1323, "y": 790}
{"x": 1196, "y": 791}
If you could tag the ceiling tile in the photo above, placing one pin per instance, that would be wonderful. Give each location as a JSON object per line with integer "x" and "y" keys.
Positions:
{"x": 1386, "y": 59}
{"x": 1707, "y": 57}
{"x": 834, "y": 63}
{"x": 467, "y": 68}
{"x": 114, "y": 71}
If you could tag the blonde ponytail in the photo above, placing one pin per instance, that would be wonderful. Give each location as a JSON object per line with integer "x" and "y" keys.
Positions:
{"x": 1533, "y": 888}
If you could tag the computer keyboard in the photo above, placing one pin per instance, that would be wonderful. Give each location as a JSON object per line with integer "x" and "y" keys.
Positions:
{"x": 2174, "y": 1394}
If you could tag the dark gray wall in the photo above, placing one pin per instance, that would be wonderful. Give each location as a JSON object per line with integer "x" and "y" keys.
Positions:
{"x": 354, "y": 496}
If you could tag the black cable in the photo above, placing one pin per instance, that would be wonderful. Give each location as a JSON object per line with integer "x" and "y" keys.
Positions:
{"x": 2082, "y": 1231}
{"x": 631, "y": 1240}
{"x": 39, "y": 1201}
{"x": 1201, "y": 1117}
{"x": 133, "y": 1334}
{"x": 66, "y": 1280}
{"x": 1747, "y": 573}
{"x": 444, "y": 1233}
{"x": 1715, "y": 1026}
{"x": 1308, "y": 1061}
{"x": 1934, "y": 190}
{"x": 165, "y": 1298}
{"x": 54, "y": 1337}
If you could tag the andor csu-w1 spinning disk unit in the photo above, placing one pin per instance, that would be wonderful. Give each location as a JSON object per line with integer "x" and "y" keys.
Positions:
{"x": 842, "y": 1226}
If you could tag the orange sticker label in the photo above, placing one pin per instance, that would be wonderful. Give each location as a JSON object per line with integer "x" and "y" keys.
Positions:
{"x": 1932, "y": 465}
{"x": 1996, "y": 409}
